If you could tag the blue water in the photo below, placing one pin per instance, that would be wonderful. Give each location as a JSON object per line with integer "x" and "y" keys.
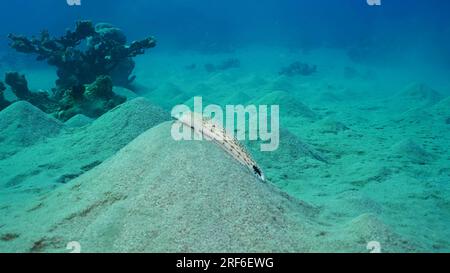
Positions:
{"x": 189, "y": 23}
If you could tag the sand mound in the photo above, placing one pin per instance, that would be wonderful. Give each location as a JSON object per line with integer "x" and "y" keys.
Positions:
{"x": 283, "y": 83}
{"x": 61, "y": 159}
{"x": 442, "y": 109}
{"x": 292, "y": 152}
{"x": 79, "y": 120}
{"x": 289, "y": 105}
{"x": 125, "y": 92}
{"x": 410, "y": 150}
{"x": 168, "y": 95}
{"x": 368, "y": 228}
{"x": 415, "y": 116}
{"x": 331, "y": 126}
{"x": 22, "y": 125}
{"x": 291, "y": 148}
{"x": 236, "y": 98}
{"x": 131, "y": 118}
{"x": 190, "y": 103}
{"x": 416, "y": 96}
{"x": 160, "y": 195}
{"x": 418, "y": 104}
{"x": 421, "y": 93}
{"x": 253, "y": 81}
{"x": 329, "y": 97}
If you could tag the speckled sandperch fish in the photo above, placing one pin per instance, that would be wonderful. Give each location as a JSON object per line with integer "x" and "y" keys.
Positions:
{"x": 210, "y": 130}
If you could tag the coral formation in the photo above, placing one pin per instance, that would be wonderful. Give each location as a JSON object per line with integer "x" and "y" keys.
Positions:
{"x": 92, "y": 100}
{"x": 3, "y": 102}
{"x": 18, "y": 84}
{"x": 86, "y": 73}
{"x": 105, "y": 53}
{"x": 19, "y": 87}
{"x": 298, "y": 68}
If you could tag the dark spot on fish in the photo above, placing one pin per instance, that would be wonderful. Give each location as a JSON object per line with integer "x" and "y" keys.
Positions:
{"x": 447, "y": 121}
{"x": 257, "y": 170}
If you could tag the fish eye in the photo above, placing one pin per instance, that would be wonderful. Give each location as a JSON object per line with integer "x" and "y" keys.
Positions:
{"x": 257, "y": 170}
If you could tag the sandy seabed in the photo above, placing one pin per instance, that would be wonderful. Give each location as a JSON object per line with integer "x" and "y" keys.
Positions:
{"x": 363, "y": 157}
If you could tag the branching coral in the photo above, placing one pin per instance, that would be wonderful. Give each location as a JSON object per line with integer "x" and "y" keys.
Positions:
{"x": 89, "y": 60}
{"x": 91, "y": 100}
{"x": 105, "y": 53}
{"x": 3, "y": 102}
{"x": 19, "y": 87}
{"x": 18, "y": 84}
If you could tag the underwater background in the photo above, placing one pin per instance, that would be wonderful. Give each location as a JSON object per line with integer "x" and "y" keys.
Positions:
{"x": 364, "y": 95}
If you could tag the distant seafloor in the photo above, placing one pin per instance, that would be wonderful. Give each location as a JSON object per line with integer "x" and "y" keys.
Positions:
{"x": 363, "y": 153}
